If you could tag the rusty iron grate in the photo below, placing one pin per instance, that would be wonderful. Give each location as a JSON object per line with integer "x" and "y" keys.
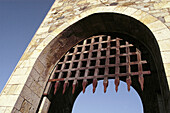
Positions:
{"x": 99, "y": 57}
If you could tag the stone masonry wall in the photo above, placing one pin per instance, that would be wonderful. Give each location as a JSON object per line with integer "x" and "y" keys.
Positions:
{"x": 25, "y": 87}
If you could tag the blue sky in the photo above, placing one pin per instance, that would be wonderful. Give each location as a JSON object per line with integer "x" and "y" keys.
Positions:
{"x": 19, "y": 20}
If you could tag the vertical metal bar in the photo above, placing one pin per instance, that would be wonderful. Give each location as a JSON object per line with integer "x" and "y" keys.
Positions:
{"x": 140, "y": 78}
{"x": 128, "y": 70}
{"x": 105, "y": 81}
{"x": 117, "y": 68}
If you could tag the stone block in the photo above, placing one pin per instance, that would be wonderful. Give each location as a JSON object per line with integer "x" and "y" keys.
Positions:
{"x": 12, "y": 89}
{"x": 36, "y": 88}
{"x": 8, "y": 109}
{"x": 35, "y": 54}
{"x": 18, "y": 79}
{"x": 164, "y": 45}
{"x": 120, "y": 9}
{"x": 139, "y": 14}
{"x": 167, "y": 18}
{"x": 15, "y": 111}
{"x": 129, "y": 11}
{"x": 34, "y": 74}
{"x": 162, "y": 34}
{"x": 8, "y": 100}
{"x": 2, "y": 109}
{"x": 167, "y": 68}
{"x": 42, "y": 30}
{"x": 27, "y": 94}
{"x": 162, "y": 5}
{"x": 44, "y": 105}
{"x": 28, "y": 63}
{"x": 30, "y": 96}
{"x": 18, "y": 89}
{"x": 25, "y": 107}
{"x": 19, "y": 103}
{"x": 6, "y": 89}
{"x": 39, "y": 67}
{"x": 165, "y": 57}
{"x": 29, "y": 81}
{"x": 20, "y": 71}
{"x": 147, "y": 19}
{"x": 41, "y": 81}
{"x": 155, "y": 26}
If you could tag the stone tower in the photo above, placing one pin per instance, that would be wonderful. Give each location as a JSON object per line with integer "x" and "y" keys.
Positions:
{"x": 145, "y": 23}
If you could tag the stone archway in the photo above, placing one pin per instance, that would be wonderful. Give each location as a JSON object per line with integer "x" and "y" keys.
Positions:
{"x": 139, "y": 34}
{"x": 41, "y": 55}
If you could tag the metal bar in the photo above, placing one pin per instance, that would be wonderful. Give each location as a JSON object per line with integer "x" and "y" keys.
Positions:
{"x": 100, "y": 76}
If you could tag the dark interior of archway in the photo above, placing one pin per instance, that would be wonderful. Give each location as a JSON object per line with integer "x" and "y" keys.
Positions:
{"x": 154, "y": 96}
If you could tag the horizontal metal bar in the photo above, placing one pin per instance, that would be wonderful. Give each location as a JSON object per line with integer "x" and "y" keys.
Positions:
{"x": 101, "y": 76}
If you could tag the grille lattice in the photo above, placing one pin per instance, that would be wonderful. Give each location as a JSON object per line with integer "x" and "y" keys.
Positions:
{"x": 100, "y": 57}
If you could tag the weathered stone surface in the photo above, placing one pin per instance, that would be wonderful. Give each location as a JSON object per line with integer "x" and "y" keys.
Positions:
{"x": 167, "y": 18}
{"x": 165, "y": 57}
{"x": 162, "y": 34}
{"x": 19, "y": 103}
{"x": 15, "y": 111}
{"x": 8, "y": 100}
{"x": 8, "y": 109}
{"x": 36, "y": 88}
{"x": 2, "y": 109}
{"x": 154, "y": 26}
{"x": 25, "y": 107}
{"x": 39, "y": 67}
{"x": 34, "y": 74}
{"x": 18, "y": 79}
{"x": 44, "y": 105}
{"x": 164, "y": 45}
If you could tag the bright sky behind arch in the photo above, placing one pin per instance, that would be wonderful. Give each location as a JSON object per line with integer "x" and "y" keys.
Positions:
{"x": 109, "y": 102}
{"x": 19, "y": 20}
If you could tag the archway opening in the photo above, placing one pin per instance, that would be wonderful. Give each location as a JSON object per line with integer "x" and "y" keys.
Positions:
{"x": 96, "y": 58}
{"x": 100, "y": 102}
{"x": 108, "y": 24}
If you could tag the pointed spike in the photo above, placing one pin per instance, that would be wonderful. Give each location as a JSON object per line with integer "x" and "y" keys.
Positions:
{"x": 105, "y": 86}
{"x": 84, "y": 86}
{"x": 64, "y": 87}
{"x": 94, "y": 85}
{"x": 117, "y": 81}
{"x": 56, "y": 87}
{"x": 129, "y": 82}
{"x": 141, "y": 81}
{"x": 74, "y": 87}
